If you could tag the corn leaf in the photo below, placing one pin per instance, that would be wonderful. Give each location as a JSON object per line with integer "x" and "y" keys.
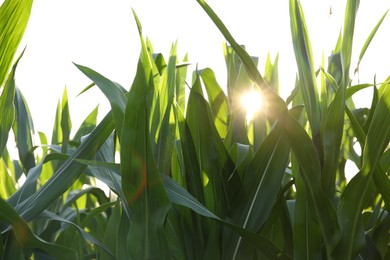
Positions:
{"x": 113, "y": 92}
{"x": 181, "y": 74}
{"x": 347, "y": 38}
{"x": 87, "y": 236}
{"x": 87, "y": 125}
{"x": 307, "y": 235}
{"x": 30, "y": 185}
{"x": 218, "y": 101}
{"x": 7, "y": 176}
{"x": 141, "y": 182}
{"x": 24, "y": 130}
{"x": 26, "y": 237}
{"x": 179, "y": 195}
{"x": 14, "y": 15}
{"x": 167, "y": 128}
{"x": 111, "y": 232}
{"x": 67, "y": 173}
{"x": 66, "y": 124}
{"x": 369, "y": 39}
{"x": 214, "y": 161}
{"x": 331, "y": 138}
{"x": 300, "y": 142}
{"x": 7, "y": 107}
{"x": 277, "y": 105}
{"x": 350, "y": 206}
{"x": 310, "y": 169}
{"x": 260, "y": 188}
{"x": 305, "y": 62}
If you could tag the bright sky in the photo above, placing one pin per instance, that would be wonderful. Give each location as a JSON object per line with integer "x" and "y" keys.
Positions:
{"x": 102, "y": 35}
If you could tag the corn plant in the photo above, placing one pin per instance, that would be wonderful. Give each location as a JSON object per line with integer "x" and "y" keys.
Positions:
{"x": 194, "y": 178}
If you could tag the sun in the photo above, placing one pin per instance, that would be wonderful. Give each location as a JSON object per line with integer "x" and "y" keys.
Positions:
{"x": 251, "y": 102}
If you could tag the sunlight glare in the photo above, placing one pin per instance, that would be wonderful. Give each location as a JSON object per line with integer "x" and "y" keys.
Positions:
{"x": 251, "y": 101}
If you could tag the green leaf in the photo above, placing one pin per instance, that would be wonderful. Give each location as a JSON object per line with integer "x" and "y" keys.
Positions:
{"x": 277, "y": 105}
{"x": 260, "y": 188}
{"x": 218, "y": 101}
{"x": 167, "y": 129}
{"x": 179, "y": 195}
{"x": 56, "y": 137}
{"x": 67, "y": 173}
{"x": 66, "y": 124}
{"x": 14, "y": 15}
{"x": 310, "y": 170}
{"x": 300, "y": 141}
{"x": 369, "y": 39}
{"x": 181, "y": 75}
{"x": 192, "y": 172}
{"x": 87, "y": 126}
{"x": 215, "y": 164}
{"x": 87, "y": 236}
{"x": 350, "y": 206}
{"x": 29, "y": 187}
{"x": 26, "y": 237}
{"x": 7, "y": 107}
{"x": 332, "y": 134}
{"x": 23, "y": 131}
{"x": 111, "y": 232}
{"x": 347, "y": 38}
{"x": 141, "y": 182}
{"x": 305, "y": 63}
{"x": 7, "y": 176}
{"x": 113, "y": 92}
{"x": 271, "y": 73}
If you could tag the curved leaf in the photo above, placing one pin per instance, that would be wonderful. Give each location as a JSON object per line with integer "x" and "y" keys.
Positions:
{"x": 26, "y": 237}
{"x": 14, "y": 15}
{"x": 7, "y": 107}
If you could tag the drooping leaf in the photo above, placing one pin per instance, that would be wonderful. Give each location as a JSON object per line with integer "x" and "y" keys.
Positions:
{"x": 67, "y": 173}
{"x": 113, "y": 92}
{"x": 27, "y": 238}
{"x": 369, "y": 39}
{"x": 87, "y": 236}
{"x": 179, "y": 195}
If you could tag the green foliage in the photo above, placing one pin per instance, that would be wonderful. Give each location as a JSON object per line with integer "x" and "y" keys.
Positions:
{"x": 195, "y": 179}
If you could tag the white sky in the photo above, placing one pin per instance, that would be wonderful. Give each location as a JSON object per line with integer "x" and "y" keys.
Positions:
{"x": 102, "y": 35}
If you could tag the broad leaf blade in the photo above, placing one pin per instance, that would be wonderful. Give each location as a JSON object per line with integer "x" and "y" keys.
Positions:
{"x": 218, "y": 101}
{"x": 67, "y": 173}
{"x": 305, "y": 62}
{"x": 26, "y": 237}
{"x": 260, "y": 187}
{"x": 331, "y": 138}
{"x": 112, "y": 91}
{"x": 350, "y": 206}
{"x": 14, "y": 15}
{"x": 141, "y": 182}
